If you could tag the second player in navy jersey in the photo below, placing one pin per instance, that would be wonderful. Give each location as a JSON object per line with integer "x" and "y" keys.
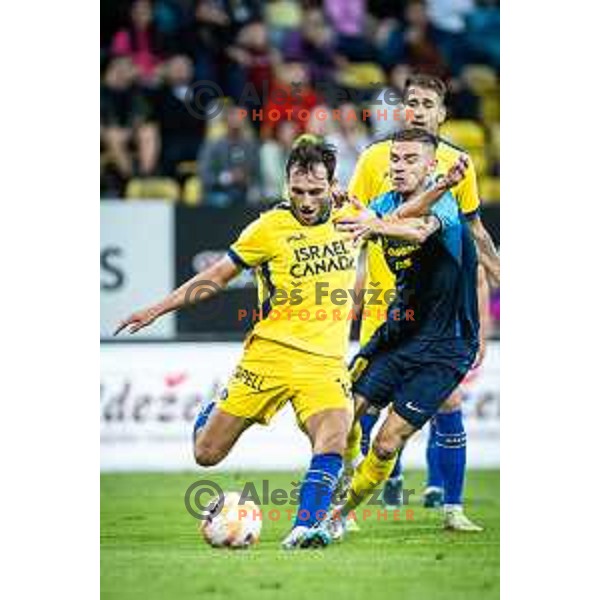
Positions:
{"x": 429, "y": 340}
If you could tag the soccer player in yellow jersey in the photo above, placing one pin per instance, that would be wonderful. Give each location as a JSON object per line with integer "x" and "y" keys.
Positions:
{"x": 424, "y": 96}
{"x": 297, "y": 351}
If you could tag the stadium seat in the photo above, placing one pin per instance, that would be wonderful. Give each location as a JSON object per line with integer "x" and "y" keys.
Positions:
{"x": 284, "y": 14}
{"x": 482, "y": 80}
{"x": 192, "y": 191}
{"x": 466, "y": 134}
{"x": 470, "y": 137}
{"x": 480, "y": 161}
{"x": 155, "y": 188}
{"x": 490, "y": 109}
{"x": 361, "y": 75}
{"x": 489, "y": 190}
{"x": 186, "y": 167}
{"x": 494, "y": 143}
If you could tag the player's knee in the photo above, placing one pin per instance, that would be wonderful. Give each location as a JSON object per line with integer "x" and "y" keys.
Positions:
{"x": 454, "y": 402}
{"x": 390, "y": 440}
{"x": 206, "y": 453}
{"x": 385, "y": 449}
{"x": 331, "y": 442}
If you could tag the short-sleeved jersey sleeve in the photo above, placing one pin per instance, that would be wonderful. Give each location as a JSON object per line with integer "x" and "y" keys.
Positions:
{"x": 254, "y": 245}
{"x": 467, "y": 194}
{"x": 383, "y": 205}
{"x": 446, "y": 211}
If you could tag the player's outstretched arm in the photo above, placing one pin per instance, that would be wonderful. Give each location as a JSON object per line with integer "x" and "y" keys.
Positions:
{"x": 414, "y": 230}
{"x": 483, "y": 304}
{"x": 488, "y": 255}
{"x": 421, "y": 204}
{"x": 365, "y": 224}
{"x": 219, "y": 274}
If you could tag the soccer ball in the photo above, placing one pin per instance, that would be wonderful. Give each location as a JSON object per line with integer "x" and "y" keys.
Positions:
{"x": 235, "y": 525}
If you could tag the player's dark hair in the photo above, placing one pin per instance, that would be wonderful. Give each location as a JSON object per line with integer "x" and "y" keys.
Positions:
{"x": 415, "y": 135}
{"x": 307, "y": 153}
{"x": 427, "y": 82}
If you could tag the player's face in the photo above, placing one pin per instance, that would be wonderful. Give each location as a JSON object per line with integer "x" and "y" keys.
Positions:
{"x": 310, "y": 193}
{"x": 427, "y": 107}
{"x": 410, "y": 163}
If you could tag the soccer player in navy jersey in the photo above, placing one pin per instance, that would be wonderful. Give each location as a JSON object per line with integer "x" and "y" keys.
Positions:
{"x": 430, "y": 337}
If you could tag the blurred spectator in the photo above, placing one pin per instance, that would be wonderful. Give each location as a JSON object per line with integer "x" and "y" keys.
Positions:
{"x": 282, "y": 16}
{"x": 169, "y": 15}
{"x": 211, "y": 39}
{"x": 348, "y": 17}
{"x": 154, "y": 50}
{"x": 389, "y": 42}
{"x": 448, "y": 22}
{"x": 259, "y": 60}
{"x": 273, "y": 156}
{"x": 127, "y": 122}
{"x": 140, "y": 40}
{"x": 419, "y": 46}
{"x": 181, "y": 132}
{"x": 313, "y": 45}
{"x": 320, "y": 121}
{"x": 386, "y": 9}
{"x": 483, "y": 34}
{"x": 350, "y": 139}
{"x": 291, "y": 98}
{"x": 449, "y": 15}
{"x": 461, "y": 102}
{"x": 349, "y": 20}
{"x": 229, "y": 166}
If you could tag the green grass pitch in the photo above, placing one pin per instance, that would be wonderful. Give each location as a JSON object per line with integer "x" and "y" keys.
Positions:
{"x": 150, "y": 548}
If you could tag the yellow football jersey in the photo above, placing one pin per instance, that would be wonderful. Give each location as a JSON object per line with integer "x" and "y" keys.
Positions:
{"x": 371, "y": 179}
{"x": 305, "y": 274}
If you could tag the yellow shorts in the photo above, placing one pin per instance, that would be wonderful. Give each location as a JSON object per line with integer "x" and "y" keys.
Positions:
{"x": 270, "y": 374}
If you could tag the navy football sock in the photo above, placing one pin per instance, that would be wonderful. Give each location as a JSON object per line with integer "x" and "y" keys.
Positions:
{"x": 452, "y": 449}
{"x": 434, "y": 474}
{"x": 317, "y": 488}
{"x": 367, "y": 422}
{"x": 397, "y": 470}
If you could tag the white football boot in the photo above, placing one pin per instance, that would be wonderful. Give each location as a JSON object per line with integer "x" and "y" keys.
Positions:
{"x": 307, "y": 537}
{"x": 335, "y": 524}
{"x": 456, "y": 520}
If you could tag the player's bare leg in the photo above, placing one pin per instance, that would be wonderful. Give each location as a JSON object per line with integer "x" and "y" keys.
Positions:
{"x": 328, "y": 430}
{"x": 373, "y": 470}
{"x": 328, "y": 433}
{"x": 390, "y": 439}
{"x": 451, "y": 436}
{"x": 215, "y": 440}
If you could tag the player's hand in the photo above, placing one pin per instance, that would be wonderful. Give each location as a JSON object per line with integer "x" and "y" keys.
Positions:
{"x": 455, "y": 174}
{"x": 353, "y": 226}
{"x": 338, "y": 195}
{"x": 359, "y": 214}
{"x": 138, "y": 320}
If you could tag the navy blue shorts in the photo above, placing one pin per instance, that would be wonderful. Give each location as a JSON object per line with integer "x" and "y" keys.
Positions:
{"x": 416, "y": 377}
